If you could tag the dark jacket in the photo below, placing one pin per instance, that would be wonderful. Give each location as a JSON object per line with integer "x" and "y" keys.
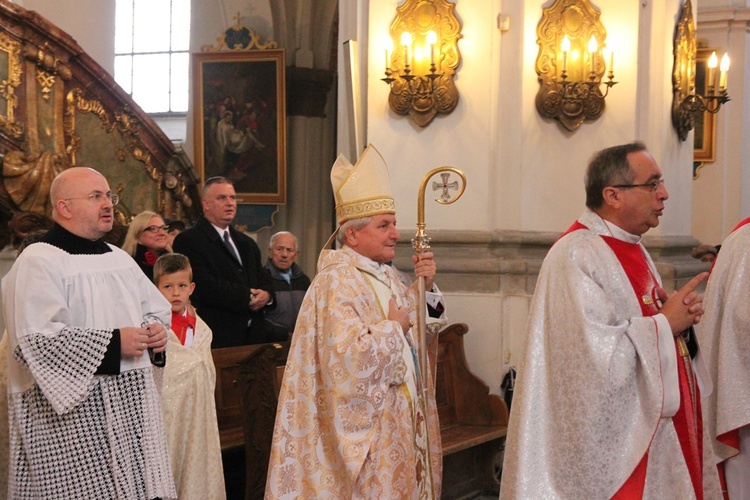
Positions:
{"x": 222, "y": 285}
{"x": 288, "y": 295}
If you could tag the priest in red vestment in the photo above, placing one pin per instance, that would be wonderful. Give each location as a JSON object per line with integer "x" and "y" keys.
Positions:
{"x": 607, "y": 401}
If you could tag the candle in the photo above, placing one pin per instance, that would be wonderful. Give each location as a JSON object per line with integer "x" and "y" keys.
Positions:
{"x": 712, "y": 63}
{"x": 388, "y": 42}
{"x": 565, "y": 46}
{"x": 406, "y": 43}
{"x": 432, "y": 40}
{"x": 611, "y": 63}
{"x": 724, "y": 70}
{"x": 592, "y": 51}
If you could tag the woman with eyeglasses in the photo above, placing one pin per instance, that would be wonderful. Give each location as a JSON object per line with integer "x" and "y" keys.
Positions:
{"x": 147, "y": 240}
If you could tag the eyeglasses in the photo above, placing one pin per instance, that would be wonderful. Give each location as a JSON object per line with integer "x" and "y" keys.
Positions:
{"x": 98, "y": 197}
{"x": 653, "y": 185}
{"x": 156, "y": 229}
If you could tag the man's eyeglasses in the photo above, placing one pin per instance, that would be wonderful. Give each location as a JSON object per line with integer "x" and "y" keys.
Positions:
{"x": 156, "y": 229}
{"x": 653, "y": 185}
{"x": 99, "y": 197}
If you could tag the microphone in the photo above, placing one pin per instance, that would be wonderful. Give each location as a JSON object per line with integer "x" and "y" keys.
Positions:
{"x": 157, "y": 358}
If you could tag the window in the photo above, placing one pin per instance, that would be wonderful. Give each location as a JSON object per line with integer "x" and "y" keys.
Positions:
{"x": 152, "y": 43}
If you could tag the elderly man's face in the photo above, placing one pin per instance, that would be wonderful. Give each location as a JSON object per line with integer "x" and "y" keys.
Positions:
{"x": 377, "y": 240}
{"x": 283, "y": 252}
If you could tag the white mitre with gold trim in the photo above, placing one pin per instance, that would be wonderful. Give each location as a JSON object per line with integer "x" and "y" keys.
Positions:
{"x": 363, "y": 189}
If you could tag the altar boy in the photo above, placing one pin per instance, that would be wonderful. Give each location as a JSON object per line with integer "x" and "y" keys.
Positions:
{"x": 188, "y": 391}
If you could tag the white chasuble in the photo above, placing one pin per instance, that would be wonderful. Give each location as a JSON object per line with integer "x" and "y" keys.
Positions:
{"x": 598, "y": 385}
{"x": 724, "y": 332}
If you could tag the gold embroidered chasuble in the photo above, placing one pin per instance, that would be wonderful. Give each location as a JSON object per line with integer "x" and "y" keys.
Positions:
{"x": 350, "y": 422}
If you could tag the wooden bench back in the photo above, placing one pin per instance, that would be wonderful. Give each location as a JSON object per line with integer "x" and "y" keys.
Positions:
{"x": 463, "y": 398}
{"x": 249, "y": 379}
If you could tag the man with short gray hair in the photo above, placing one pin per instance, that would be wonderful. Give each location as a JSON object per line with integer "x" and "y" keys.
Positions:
{"x": 232, "y": 291}
{"x": 354, "y": 418}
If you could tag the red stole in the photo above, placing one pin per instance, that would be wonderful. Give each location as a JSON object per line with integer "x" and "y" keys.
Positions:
{"x": 688, "y": 420}
{"x": 180, "y": 324}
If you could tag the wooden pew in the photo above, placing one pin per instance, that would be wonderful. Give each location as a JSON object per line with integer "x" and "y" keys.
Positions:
{"x": 227, "y": 394}
{"x": 473, "y": 422}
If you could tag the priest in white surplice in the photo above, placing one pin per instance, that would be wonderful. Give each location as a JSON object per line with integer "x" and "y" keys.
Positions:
{"x": 85, "y": 417}
{"x": 725, "y": 335}
{"x": 607, "y": 398}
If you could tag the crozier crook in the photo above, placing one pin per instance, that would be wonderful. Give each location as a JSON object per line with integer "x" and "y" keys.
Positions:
{"x": 421, "y": 243}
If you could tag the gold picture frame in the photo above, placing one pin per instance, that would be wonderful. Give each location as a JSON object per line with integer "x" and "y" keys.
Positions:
{"x": 240, "y": 122}
{"x": 704, "y": 133}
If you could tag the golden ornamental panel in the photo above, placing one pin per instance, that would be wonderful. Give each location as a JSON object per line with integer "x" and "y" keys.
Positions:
{"x": 11, "y": 80}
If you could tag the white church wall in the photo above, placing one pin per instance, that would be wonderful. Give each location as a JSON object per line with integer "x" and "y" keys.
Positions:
{"x": 509, "y": 151}
{"x": 461, "y": 139}
{"x": 525, "y": 173}
{"x": 554, "y": 159}
{"x": 721, "y": 192}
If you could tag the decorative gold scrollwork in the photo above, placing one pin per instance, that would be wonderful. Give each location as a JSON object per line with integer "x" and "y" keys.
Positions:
{"x": 570, "y": 87}
{"x": 46, "y": 80}
{"x": 126, "y": 126}
{"x": 239, "y": 37}
{"x": 686, "y": 103}
{"x": 8, "y": 87}
{"x": 421, "y": 73}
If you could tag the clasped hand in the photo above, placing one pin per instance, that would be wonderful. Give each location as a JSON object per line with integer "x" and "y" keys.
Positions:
{"x": 258, "y": 299}
{"x": 134, "y": 341}
{"x": 684, "y": 307}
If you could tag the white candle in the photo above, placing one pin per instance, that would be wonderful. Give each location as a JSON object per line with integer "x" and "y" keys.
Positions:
{"x": 724, "y": 70}
{"x": 713, "y": 61}
{"x": 592, "y": 51}
{"x": 388, "y": 42}
{"x": 406, "y": 42}
{"x": 565, "y": 46}
{"x": 432, "y": 40}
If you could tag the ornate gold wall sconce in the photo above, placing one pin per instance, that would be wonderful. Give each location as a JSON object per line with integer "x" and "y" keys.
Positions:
{"x": 686, "y": 103}
{"x": 421, "y": 57}
{"x": 571, "y": 63}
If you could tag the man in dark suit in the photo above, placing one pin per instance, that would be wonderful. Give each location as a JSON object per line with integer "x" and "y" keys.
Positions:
{"x": 231, "y": 289}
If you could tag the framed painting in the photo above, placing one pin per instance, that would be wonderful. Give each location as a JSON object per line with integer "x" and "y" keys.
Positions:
{"x": 240, "y": 122}
{"x": 704, "y": 136}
